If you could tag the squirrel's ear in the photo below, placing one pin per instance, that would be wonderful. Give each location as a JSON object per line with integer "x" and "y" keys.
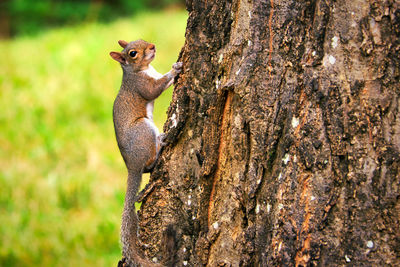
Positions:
{"x": 118, "y": 57}
{"x": 123, "y": 43}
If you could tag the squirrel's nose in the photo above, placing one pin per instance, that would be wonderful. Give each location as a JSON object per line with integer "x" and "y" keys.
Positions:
{"x": 152, "y": 47}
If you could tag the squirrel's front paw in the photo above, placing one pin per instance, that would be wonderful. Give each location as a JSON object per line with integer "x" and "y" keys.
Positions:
{"x": 161, "y": 139}
{"x": 177, "y": 67}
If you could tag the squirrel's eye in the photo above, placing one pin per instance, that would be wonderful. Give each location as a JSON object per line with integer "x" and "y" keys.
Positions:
{"x": 132, "y": 53}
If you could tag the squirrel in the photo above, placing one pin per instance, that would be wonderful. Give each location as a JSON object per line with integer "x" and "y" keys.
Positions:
{"x": 137, "y": 136}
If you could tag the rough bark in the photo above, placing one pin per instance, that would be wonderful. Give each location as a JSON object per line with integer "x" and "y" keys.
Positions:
{"x": 283, "y": 137}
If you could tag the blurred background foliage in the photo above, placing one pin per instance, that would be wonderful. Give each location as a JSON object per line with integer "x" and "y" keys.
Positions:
{"x": 32, "y": 16}
{"x": 62, "y": 179}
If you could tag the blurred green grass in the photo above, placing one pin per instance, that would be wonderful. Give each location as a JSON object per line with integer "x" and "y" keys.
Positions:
{"x": 62, "y": 179}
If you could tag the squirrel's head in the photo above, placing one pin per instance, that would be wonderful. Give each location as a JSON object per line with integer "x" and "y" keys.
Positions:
{"x": 137, "y": 54}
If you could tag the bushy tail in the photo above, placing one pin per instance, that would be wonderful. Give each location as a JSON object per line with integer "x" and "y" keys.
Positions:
{"x": 129, "y": 227}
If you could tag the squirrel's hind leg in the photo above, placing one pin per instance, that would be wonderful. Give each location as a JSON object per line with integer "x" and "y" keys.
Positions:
{"x": 159, "y": 147}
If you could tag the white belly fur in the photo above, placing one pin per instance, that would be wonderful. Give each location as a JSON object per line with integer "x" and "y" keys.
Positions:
{"x": 151, "y": 71}
{"x": 152, "y": 125}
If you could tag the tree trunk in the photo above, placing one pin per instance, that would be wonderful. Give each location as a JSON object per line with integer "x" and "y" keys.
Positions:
{"x": 283, "y": 137}
{"x": 4, "y": 21}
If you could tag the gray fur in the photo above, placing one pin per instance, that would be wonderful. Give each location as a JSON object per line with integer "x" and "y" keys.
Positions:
{"x": 137, "y": 136}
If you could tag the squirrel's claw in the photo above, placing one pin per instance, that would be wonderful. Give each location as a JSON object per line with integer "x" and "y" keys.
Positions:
{"x": 177, "y": 67}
